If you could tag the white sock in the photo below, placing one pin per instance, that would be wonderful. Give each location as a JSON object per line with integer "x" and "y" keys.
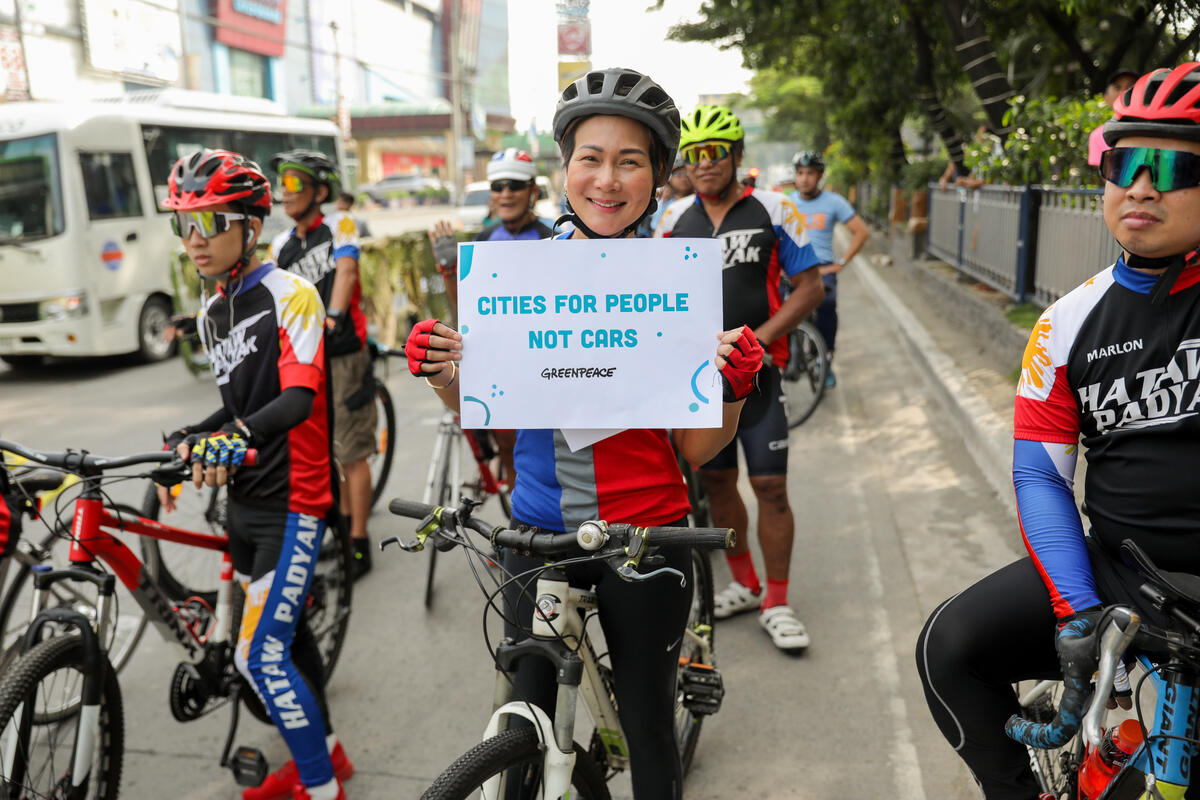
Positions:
{"x": 331, "y": 742}
{"x": 326, "y": 791}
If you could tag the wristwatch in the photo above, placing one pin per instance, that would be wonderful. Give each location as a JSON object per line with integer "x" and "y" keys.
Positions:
{"x": 841, "y": 262}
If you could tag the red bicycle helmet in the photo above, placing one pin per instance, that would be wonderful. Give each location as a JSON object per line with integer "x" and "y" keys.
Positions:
{"x": 211, "y": 177}
{"x": 1163, "y": 103}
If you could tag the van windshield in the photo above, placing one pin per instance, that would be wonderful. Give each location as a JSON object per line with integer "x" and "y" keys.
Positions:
{"x": 30, "y": 189}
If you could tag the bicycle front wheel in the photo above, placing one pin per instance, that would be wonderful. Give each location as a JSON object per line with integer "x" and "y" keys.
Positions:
{"x": 385, "y": 441}
{"x": 697, "y": 648}
{"x": 518, "y": 753}
{"x": 804, "y": 378}
{"x": 126, "y": 622}
{"x": 37, "y": 758}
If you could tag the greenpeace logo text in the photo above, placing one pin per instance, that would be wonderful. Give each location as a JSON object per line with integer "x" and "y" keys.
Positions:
{"x": 1115, "y": 350}
{"x": 578, "y": 372}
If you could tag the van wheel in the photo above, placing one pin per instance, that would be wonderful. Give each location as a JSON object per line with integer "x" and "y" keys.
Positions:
{"x": 24, "y": 362}
{"x": 153, "y": 320}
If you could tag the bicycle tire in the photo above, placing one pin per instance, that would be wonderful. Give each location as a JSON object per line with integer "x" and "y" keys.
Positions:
{"x": 506, "y": 750}
{"x": 698, "y": 517}
{"x": 700, "y": 622}
{"x": 442, "y": 497}
{"x": 27, "y": 739}
{"x": 126, "y": 628}
{"x": 182, "y": 572}
{"x": 1056, "y": 770}
{"x": 385, "y": 442}
{"x": 807, "y": 370}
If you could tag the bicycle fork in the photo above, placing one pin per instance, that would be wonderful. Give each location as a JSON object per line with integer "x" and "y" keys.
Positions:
{"x": 554, "y": 620}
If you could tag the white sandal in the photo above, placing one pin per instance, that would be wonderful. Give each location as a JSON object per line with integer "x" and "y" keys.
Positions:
{"x": 786, "y": 631}
{"x": 735, "y": 599}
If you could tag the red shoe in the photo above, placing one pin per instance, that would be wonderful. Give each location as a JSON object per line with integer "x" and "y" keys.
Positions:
{"x": 300, "y": 793}
{"x": 280, "y": 783}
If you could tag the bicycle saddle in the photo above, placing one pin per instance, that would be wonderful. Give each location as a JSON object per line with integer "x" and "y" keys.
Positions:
{"x": 1178, "y": 586}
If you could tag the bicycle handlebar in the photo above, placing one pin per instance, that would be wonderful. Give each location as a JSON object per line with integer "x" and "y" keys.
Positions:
{"x": 591, "y": 536}
{"x": 1077, "y": 687}
{"x": 84, "y": 462}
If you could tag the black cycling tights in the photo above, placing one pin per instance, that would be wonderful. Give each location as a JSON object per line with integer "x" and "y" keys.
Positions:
{"x": 643, "y": 627}
{"x": 980, "y": 642}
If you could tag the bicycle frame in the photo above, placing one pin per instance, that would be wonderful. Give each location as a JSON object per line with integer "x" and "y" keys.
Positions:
{"x": 559, "y": 635}
{"x": 446, "y": 458}
{"x": 1164, "y": 761}
{"x": 91, "y": 539}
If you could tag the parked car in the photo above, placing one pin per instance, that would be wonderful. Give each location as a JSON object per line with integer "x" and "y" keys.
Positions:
{"x": 474, "y": 207}
{"x": 391, "y": 186}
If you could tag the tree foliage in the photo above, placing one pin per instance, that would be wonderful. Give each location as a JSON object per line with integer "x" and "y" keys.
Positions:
{"x": 848, "y": 72}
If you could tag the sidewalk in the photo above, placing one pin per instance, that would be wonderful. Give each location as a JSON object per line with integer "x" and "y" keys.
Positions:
{"x": 961, "y": 341}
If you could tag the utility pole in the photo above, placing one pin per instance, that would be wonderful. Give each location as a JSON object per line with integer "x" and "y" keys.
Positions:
{"x": 457, "y": 129}
{"x": 21, "y": 44}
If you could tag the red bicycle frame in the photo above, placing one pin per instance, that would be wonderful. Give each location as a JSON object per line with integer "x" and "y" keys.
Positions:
{"x": 91, "y": 539}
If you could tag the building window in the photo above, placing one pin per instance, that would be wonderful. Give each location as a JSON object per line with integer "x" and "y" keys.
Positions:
{"x": 110, "y": 185}
{"x": 249, "y": 74}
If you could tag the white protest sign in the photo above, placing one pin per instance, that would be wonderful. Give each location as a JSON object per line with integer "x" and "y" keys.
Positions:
{"x": 613, "y": 333}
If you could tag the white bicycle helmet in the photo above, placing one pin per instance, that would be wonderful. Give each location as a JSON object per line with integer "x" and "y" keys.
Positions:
{"x": 513, "y": 164}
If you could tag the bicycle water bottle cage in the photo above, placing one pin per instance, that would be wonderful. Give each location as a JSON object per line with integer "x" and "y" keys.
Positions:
{"x": 702, "y": 688}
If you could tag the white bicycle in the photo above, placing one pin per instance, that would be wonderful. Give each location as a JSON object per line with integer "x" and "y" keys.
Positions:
{"x": 543, "y": 757}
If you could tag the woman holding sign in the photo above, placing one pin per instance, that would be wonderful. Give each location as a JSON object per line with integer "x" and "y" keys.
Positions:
{"x": 618, "y": 132}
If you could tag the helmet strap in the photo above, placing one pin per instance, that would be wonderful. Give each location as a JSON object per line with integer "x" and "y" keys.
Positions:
{"x": 1172, "y": 266}
{"x": 572, "y": 217}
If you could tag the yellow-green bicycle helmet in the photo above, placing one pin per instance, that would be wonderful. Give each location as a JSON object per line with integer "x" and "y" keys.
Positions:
{"x": 707, "y": 123}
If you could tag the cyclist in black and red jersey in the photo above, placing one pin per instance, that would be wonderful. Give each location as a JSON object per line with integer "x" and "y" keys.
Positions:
{"x": 324, "y": 250}
{"x": 1114, "y": 363}
{"x": 618, "y": 132}
{"x": 263, "y": 332}
{"x": 763, "y": 240}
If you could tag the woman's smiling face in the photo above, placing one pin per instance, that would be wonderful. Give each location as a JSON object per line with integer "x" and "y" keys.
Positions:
{"x": 609, "y": 175}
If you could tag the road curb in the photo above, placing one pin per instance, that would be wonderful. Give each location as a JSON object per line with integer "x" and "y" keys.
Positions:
{"x": 987, "y": 436}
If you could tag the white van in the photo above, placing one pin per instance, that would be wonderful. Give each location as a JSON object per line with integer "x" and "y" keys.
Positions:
{"x": 84, "y": 247}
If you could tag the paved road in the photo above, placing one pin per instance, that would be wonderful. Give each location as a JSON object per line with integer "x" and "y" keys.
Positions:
{"x": 892, "y": 516}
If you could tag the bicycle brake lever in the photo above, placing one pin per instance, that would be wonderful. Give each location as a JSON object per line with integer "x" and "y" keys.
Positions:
{"x": 630, "y": 574}
{"x": 428, "y": 527}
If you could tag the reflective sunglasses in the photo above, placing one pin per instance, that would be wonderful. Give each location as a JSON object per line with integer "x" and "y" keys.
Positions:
{"x": 511, "y": 184}
{"x": 293, "y": 184}
{"x": 1169, "y": 169}
{"x": 707, "y": 151}
{"x": 206, "y": 223}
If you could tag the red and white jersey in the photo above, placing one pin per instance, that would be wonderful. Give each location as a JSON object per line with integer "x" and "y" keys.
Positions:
{"x": 268, "y": 337}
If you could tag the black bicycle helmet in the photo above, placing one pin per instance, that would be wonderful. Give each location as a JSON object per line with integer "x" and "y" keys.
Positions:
{"x": 808, "y": 158}
{"x": 317, "y": 165}
{"x": 624, "y": 93}
{"x": 1163, "y": 104}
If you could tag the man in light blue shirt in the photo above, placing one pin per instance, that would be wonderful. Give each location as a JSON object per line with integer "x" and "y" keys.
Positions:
{"x": 820, "y": 211}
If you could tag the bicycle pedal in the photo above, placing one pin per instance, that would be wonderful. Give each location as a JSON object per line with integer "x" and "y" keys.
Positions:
{"x": 249, "y": 766}
{"x": 702, "y": 688}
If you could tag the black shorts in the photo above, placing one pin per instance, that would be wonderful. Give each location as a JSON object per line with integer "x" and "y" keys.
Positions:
{"x": 762, "y": 430}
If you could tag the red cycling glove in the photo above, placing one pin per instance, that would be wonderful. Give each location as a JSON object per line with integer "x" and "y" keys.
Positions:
{"x": 417, "y": 347}
{"x": 741, "y": 367}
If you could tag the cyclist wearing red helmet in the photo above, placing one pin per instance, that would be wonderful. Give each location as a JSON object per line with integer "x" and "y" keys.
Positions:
{"x": 263, "y": 333}
{"x": 618, "y": 131}
{"x": 1112, "y": 363}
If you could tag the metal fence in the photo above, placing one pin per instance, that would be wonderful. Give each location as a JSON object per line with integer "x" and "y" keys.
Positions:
{"x": 1073, "y": 241}
{"x": 1032, "y": 243}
